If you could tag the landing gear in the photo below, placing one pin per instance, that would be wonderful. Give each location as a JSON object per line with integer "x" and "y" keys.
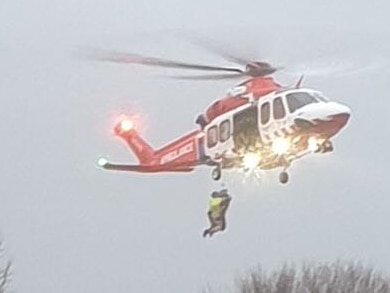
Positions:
{"x": 283, "y": 177}
{"x": 327, "y": 147}
{"x": 216, "y": 173}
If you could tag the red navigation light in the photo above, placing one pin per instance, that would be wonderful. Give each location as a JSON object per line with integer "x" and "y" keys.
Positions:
{"x": 126, "y": 125}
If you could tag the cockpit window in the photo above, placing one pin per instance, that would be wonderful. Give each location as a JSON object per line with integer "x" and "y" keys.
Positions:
{"x": 320, "y": 97}
{"x": 297, "y": 100}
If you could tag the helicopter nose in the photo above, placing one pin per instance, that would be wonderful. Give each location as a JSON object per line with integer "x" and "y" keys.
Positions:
{"x": 337, "y": 114}
{"x": 323, "y": 111}
{"x": 340, "y": 109}
{"x": 327, "y": 119}
{"x": 340, "y": 119}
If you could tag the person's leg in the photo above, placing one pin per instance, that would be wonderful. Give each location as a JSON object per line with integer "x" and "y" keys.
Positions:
{"x": 211, "y": 220}
{"x": 223, "y": 224}
{"x": 217, "y": 226}
{"x": 212, "y": 224}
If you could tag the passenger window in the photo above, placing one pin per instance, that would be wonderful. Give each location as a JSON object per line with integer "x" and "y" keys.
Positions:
{"x": 279, "y": 111}
{"x": 212, "y": 137}
{"x": 265, "y": 113}
{"x": 224, "y": 131}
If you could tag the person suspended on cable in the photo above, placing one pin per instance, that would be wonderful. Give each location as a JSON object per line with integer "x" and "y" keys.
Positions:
{"x": 218, "y": 205}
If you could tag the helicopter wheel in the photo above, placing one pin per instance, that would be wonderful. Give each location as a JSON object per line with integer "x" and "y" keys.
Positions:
{"x": 283, "y": 177}
{"x": 327, "y": 147}
{"x": 216, "y": 173}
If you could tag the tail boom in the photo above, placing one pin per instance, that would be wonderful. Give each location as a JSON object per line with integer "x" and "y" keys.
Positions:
{"x": 184, "y": 149}
{"x": 181, "y": 155}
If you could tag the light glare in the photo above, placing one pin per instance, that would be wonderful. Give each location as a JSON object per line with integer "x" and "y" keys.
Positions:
{"x": 251, "y": 161}
{"x": 312, "y": 144}
{"x": 102, "y": 162}
{"x": 126, "y": 125}
{"x": 280, "y": 145}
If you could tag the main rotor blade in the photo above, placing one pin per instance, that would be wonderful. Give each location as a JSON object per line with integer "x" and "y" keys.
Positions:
{"x": 210, "y": 76}
{"x": 224, "y": 54}
{"x": 219, "y": 50}
{"x": 334, "y": 68}
{"x": 151, "y": 61}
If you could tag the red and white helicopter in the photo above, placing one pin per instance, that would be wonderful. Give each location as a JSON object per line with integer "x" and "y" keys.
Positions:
{"x": 258, "y": 125}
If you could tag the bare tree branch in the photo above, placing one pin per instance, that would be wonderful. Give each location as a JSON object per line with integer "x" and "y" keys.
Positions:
{"x": 4, "y": 277}
{"x": 337, "y": 277}
{"x": 5, "y": 271}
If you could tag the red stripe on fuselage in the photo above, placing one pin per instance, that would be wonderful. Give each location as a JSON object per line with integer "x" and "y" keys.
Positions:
{"x": 332, "y": 126}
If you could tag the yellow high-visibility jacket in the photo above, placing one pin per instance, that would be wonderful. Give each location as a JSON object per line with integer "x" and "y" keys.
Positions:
{"x": 215, "y": 206}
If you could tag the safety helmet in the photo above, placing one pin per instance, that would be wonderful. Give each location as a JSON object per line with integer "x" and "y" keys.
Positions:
{"x": 214, "y": 194}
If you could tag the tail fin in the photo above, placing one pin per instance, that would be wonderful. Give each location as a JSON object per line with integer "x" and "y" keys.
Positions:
{"x": 140, "y": 147}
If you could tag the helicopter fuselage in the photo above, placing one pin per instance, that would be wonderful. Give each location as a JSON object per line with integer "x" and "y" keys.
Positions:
{"x": 258, "y": 125}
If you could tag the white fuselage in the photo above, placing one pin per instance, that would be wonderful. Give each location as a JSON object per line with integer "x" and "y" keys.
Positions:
{"x": 278, "y": 114}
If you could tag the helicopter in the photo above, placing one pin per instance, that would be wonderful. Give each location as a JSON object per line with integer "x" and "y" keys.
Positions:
{"x": 258, "y": 125}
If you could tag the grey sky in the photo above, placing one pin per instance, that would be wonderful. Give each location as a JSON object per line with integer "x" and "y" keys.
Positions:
{"x": 71, "y": 227}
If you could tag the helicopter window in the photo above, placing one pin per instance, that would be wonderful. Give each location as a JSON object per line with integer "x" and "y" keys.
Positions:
{"x": 298, "y": 100}
{"x": 224, "y": 131}
{"x": 320, "y": 97}
{"x": 265, "y": 113}
{"x": 212, "y": 137}
{"x": 279, "y": 111}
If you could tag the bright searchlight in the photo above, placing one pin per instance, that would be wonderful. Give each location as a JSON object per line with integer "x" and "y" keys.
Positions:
{"x": 312, "y": 144}
{"x": 251, "y": 161}
{"x": 126, "y": 125}
{"x": 280, "y": 145}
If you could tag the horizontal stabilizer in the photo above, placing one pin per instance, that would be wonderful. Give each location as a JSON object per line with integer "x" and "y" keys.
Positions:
{"x": 182, "y": 167}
